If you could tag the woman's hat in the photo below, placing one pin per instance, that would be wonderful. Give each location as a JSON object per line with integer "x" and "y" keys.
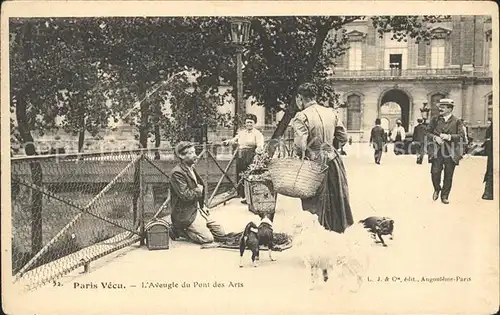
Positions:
{"x": 251, "y": 117}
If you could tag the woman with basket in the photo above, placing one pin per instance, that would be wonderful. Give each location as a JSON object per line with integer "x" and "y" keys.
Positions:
{"x": 250, "y": 141}
{"x": 318, "y": 134}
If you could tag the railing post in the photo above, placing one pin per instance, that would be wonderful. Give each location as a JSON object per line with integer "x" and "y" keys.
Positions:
{"x": 141, "y": 200}
{"x": 36, "y": 208}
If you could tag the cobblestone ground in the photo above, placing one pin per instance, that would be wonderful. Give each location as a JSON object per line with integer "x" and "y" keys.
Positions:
{"x": 431, "y": 240}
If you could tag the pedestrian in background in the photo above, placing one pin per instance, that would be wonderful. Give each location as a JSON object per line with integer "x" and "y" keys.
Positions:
{"x": 447, "y": 134}
{"x": 378, "y": 139}
{"x": 419, "y": 140}
{"x": 488, "y": 176}
{"x": 398, "y": 136}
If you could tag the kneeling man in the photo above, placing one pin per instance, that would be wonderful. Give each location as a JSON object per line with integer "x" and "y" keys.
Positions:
{"x": 189, "y": 216}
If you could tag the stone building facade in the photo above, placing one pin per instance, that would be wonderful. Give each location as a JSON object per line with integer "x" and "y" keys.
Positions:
{"x": 381, "y": 77}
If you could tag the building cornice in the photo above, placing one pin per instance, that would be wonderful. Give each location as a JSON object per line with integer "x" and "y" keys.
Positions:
{"x": 356, "y": 36}
{"x": 440, "y": 32}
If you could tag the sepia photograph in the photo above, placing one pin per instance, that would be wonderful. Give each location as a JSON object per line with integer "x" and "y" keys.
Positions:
{"x": 242, "y": 157}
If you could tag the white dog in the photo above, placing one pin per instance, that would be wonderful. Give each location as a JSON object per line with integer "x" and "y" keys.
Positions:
{"x": 326, "y": 251}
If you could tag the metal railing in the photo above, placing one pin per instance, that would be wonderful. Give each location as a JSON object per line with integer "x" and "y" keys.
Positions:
{"x": 410, "y": 73}
{"x": 68, "y": 210}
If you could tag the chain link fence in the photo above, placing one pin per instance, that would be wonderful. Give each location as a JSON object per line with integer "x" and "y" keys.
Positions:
{"x": 68, "y": 210}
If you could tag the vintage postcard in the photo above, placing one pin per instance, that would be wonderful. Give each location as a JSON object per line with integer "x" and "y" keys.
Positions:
{"x": 250, "y": 157}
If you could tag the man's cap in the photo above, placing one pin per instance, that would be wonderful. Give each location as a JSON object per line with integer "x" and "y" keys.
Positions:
{"x": 446, "y": 101}
{"x": 182, "y": 146}
{"x": 398, "y": 121}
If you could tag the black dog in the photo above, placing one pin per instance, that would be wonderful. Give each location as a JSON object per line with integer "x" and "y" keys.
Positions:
{"x": 379, "y": 226}
{"x": 254, "y": 236}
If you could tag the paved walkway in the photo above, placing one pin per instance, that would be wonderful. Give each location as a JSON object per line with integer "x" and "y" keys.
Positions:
{"x": 431, "y": 240}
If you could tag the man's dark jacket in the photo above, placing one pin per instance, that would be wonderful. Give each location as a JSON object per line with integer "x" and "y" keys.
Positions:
{"x": 419, "y": 133}
{"x": 184, "y": 199}
{"x": 453, "y": 127}
{"x": 378, "y": 138}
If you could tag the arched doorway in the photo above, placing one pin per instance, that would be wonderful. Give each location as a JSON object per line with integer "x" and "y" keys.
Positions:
{"x": 385, "y": 123}
{"x": 390, "y": 112}
{"x": 400, "y": 98}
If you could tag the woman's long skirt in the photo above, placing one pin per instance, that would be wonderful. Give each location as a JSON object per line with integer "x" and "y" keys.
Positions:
{"x": 331, "y": 204}
{"x": 245, "y": 158}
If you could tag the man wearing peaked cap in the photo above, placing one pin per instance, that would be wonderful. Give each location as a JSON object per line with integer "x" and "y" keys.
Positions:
{"x": 190, "y": 218}
{"x": 447, "y": 139}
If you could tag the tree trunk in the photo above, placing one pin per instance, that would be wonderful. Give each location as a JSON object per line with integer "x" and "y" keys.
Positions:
{"x": 144, "y": 125}
{"x": 81, "y": 134}
{"x": 143, "y": 141}
{"x": 156, "y": 122}
{"x": 306, "y": 75}
{"x": 157, "y": 140}
{"x": 81, "y": 139}
{"x": 36, "y": 174}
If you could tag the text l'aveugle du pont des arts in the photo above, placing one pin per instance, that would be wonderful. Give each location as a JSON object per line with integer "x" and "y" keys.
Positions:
{"x": 105, "y": 285}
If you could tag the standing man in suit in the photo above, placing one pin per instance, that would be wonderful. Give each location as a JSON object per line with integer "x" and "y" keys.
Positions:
{"x": 446, "y": 148}
{"x": 378, "y": 139}
{"x": 418, "y": 140}
{"x": 190, "y": 218}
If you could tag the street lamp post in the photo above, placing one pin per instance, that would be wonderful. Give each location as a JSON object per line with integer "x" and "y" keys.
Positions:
{"x": 240, "y": 29}
{"x": 425, "y": 112}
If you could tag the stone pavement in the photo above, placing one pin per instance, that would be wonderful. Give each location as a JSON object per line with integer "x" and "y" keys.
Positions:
{"x": 459, "y": 241}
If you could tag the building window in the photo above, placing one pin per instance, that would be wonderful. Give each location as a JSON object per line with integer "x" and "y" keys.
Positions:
{"x": 355, "y": 54}
{"x": 434, "y": 100}
{"x": 353, "y": 112}
{"x": 437, "y": 53}
{"x": 489, "y": 102}
{"x": 396, "y": 52}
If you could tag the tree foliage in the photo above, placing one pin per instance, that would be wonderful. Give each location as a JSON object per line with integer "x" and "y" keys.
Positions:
{"x": 88, "y": 70}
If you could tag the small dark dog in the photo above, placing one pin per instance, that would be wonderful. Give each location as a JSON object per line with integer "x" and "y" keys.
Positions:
{"x": 379, "y": 226}
{"x": 254, "y": 236}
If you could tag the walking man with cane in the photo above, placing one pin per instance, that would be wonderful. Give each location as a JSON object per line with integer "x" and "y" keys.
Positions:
{"x": 446, "y": 149}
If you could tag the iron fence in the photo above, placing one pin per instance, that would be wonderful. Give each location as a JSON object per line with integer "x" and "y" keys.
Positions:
{"x": 68, "y": 210}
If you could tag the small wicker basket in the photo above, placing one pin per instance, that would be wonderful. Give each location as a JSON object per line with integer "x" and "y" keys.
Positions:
{"x": 157, "y": 234}
{"x": 297, "y": 178}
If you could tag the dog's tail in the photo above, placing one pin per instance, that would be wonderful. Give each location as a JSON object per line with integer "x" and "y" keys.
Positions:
{"x": 250, "y": 225}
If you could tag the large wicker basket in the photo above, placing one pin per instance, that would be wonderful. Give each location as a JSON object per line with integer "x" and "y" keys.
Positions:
{"x": 297, "y": 178}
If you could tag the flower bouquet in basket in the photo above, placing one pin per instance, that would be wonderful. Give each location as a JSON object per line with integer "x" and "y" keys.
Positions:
{"x": 259, "y": 190}
{"x": 258, "y": 170}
